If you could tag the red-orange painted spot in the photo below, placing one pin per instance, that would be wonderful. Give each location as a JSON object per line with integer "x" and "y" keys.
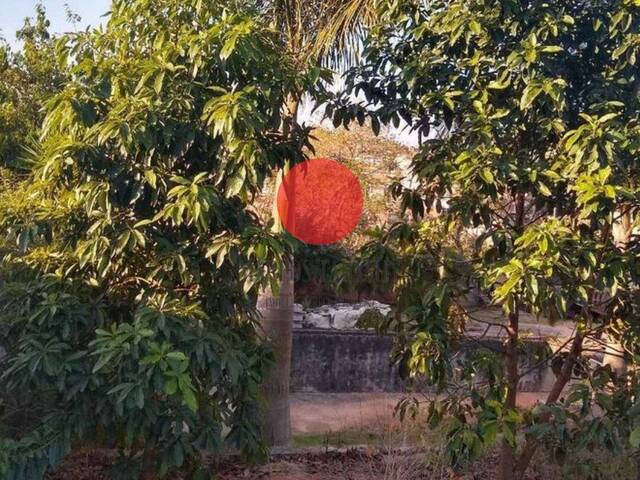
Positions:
{"x": 320, "y": 201}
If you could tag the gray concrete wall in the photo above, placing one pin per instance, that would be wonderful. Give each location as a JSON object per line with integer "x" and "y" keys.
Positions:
{"x": 339, "y": 361}
{"x": 357, "y": 361}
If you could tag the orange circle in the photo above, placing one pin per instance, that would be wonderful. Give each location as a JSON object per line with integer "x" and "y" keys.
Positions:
{"x": 320, "y": 201}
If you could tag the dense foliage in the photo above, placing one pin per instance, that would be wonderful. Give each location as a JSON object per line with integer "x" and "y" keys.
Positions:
{"x": 131, "y": 253}
{"x": 529, "y": 114}
{"x": 130, "y": 260}
{"x": 28, "y": 78}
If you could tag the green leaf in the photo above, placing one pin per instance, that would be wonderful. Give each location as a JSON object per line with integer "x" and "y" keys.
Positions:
{"x": 123, "y": 240}
{"x": 508, "y": 286}
{"x": 158, "y": 82}
{"x": 529, "y": 95}
{"x": 487, "y": 176}
{"x": 102, "y": 361}
{"x": 189, "y": 399}
{"x": 634, "y": 438}
{"x": 181, "y": 357}
{"x": 375, "y": 125}
{"x": 235, "y": 185}
{"x": 544, "y": 190}
{"x": 171, "y": 386}
{"x": 228, "y": 47}
{"x": 502, "y": 82}
{"x": 151, "y": 178}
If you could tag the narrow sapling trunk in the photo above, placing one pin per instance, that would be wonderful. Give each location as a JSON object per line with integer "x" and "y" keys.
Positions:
{"x": 506, "y": 467}
{"x": 531, "y": 445}
{"x": 614, "y": 355}
{"x": 565, "y": 376}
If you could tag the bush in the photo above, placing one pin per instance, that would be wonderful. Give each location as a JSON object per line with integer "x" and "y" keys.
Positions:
{"x": 129, "y": 259}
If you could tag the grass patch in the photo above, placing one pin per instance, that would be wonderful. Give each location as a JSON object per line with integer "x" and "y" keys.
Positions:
{"x": 337, "y": 439}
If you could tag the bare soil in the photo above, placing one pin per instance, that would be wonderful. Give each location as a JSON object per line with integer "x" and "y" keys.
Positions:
{"x": 344, "y": 465}
{"x": 322, "y": 421}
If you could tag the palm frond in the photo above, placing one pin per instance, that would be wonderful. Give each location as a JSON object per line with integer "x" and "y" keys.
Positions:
{"x": 329, "y": 32}
{"x": 339, "y": 40}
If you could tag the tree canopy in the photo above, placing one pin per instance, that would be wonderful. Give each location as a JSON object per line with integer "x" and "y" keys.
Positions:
{"x": 529, "y": 119}
{"x": 28, "y": 78}
{"x": 130, "y": 256}
{"x": 131, "y": 252}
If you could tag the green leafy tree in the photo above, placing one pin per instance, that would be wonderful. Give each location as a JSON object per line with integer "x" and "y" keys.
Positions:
{"x": 529, "y": 118}
{"x": 130, "y": 258}
{"x": 28, "y": 78}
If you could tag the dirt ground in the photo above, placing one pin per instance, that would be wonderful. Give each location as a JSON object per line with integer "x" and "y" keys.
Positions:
{"x": 354, "y": 464}
{"x": 338, "y": 465}
{"x": 358, "y": 465}
{"x": 326, "y": 430}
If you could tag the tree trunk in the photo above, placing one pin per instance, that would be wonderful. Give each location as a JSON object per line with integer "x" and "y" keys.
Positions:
{"x": 507, "y": 451}
{"x": 614, "y": 351}
{"x": 565, "y": 375}
{"x": 277, "y": 322}
{"x": 276, "y": 311}
{"x": 506, "y": 467}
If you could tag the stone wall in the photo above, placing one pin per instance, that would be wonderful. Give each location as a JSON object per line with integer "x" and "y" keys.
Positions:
{"x": 358, "y": 361}
{"x": 340, "y": 361}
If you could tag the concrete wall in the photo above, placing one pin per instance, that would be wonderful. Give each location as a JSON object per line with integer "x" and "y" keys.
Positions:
{"x": 355, "y": 361}
{"x": 338, "y": 361}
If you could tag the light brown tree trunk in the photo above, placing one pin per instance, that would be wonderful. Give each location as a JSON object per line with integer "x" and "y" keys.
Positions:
{"x": 507, "y": 451}
{"x": 276, "y": 310}
{"x": 614, "y": 351}
{"x": 277, "y": 322}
